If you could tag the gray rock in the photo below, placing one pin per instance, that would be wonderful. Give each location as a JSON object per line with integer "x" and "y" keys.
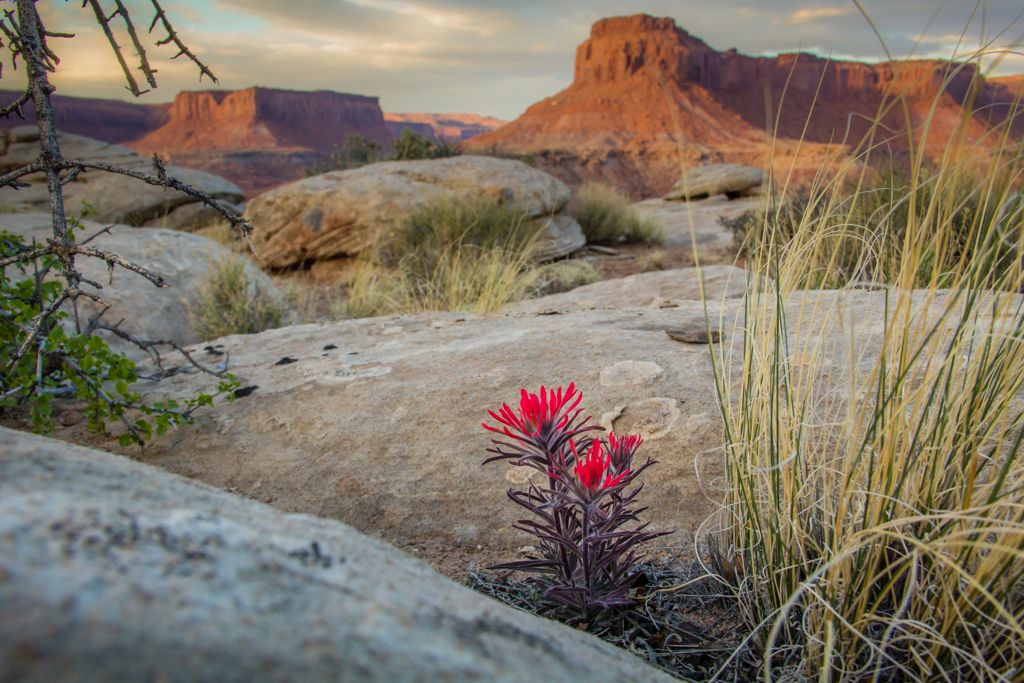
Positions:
{"x": 339, "y": 213}
{"x": 697, "y": 223}
{"x": 182, "y": 259}
{"x": 192, "y": 217}
{"x": 23, "y": 148}
{"x": 658, "y": 288}
{"x": 114, "y": 571}
{"x": 705, "y": 181}
{"x": 122, "y": 199}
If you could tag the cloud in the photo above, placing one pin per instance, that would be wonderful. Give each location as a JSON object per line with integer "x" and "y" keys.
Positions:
{"x": 807, "y": 16}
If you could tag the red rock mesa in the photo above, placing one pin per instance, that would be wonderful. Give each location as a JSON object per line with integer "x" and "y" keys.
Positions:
{"x": 644, "y": 87}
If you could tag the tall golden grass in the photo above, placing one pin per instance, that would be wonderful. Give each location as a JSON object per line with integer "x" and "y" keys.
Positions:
{"x": 873, "y": 429}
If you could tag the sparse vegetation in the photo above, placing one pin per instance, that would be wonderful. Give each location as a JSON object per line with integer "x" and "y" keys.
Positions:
{"x": 864, "y": 225}
{"x": 411, "y": 145}
{"x": 231, "y": 302}
{"x": 874, "y": 510}
{"x": 607, "y": 216}
{"x": 357, "y": 151}
{"x": 449, "y": 256}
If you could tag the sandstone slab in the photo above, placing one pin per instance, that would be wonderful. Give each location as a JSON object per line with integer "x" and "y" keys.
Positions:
{"x": 182, "y": 259}
{"x": 655, "y": 289}
{"x": 734, "y": 180}
{"x": 376, "y": 422}
{"x": 339, "y": 213}
{"x": 114, "y": 571}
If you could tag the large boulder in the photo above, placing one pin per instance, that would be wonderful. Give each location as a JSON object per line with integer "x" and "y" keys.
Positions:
{"x": 339, "y": 213}
{"x": 706, "y": 181}
{"x": 122, "y": 199}
{"x": 182, "y": 259}
{"x": 115, "y": 571}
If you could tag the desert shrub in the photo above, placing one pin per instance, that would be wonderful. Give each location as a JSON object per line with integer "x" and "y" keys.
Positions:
{"x": 864, "y": 225}
{"x": 874, "y": 504}
{"x": 411, "y": 145}
{"x": 450, "y": 255}
{"x": 357, "y": 151}
{"x": 69, "y": 364}
{"x": 607, "y": 216}
{"x": 567, "y": 274}
{"x": 230, "y": 302}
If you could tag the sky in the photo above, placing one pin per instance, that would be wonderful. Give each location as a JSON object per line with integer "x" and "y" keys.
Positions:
{"x": 490, "y": 57}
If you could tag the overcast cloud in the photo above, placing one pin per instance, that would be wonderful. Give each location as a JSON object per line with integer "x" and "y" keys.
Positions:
{"x": 493, "y": 57}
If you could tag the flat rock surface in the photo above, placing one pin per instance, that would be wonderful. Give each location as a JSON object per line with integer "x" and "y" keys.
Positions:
{"x": 654, "y": 289}
{"x": 376, "y": 422}
{"x": 709, "y": 233}
{"x": 382, "y": 431}
{"x": 339, "y": 213}
{"x": 182, "y": 259}
{"x": 111, "y": 570}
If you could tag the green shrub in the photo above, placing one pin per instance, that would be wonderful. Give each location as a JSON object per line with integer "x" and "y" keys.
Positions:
{"x": 232, "y": 303}
{"x": 63, "y": 364}
{"x": 357, "y": 151}
{"x": 411, "y": 145}
{"x": 607, "y": 216}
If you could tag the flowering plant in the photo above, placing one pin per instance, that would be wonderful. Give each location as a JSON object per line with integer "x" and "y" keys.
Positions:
{"x": 586, "y": 566}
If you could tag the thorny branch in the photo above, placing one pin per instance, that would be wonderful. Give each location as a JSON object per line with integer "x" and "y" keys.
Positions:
{"x": 26, "y": 37}
{"x": 104, "y": 22}
{"x": 172, "y": 37}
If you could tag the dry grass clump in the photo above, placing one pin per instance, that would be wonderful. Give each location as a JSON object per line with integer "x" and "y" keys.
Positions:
{"x": 230, "y": 302}
{"x": 607, "y": 216}
{"x": 875, "y": 475}
{"x": 449, "y": 256}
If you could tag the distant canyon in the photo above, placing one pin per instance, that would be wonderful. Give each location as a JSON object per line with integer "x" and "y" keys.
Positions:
{"x": 647, "y": 99}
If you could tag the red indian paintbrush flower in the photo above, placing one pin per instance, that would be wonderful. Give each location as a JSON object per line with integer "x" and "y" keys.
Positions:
{"x": 537, "y": 413}
{"x": 592, "y": 470}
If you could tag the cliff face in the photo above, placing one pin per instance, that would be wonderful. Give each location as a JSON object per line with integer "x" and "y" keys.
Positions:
{"x": 107, "y": 120}
{"x": 644, "y": 87}
{"x": 265, "y": 119}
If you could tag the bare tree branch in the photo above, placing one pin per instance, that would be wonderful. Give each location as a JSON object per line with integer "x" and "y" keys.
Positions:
{"x": 15, "y": 106}
{"x": 149, "y": 345}
{"x": 172, "y": 37}
{"x": 105, "y": 24}
{"x": 10, "y": 178}
{"x": 161, "y": 179}
{"x": 143, "y": 62}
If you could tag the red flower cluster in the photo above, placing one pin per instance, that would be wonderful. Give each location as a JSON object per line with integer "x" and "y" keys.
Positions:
{"x": 593, "y": 470}
{"x": 537, "y": 414}
{"x": 587, "y": 563}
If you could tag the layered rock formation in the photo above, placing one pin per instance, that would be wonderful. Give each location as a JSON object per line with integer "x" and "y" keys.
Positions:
{"x": 107, "y": 120}
{"x": 450, "y": 127}
{"x": 647, "y": 97}
{"x": 261, "y": 137}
